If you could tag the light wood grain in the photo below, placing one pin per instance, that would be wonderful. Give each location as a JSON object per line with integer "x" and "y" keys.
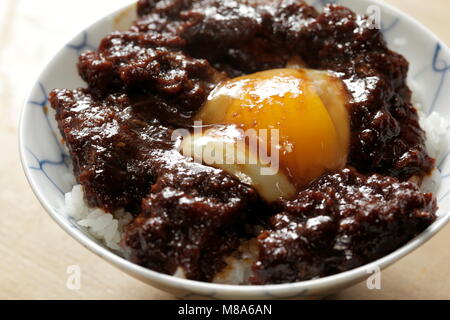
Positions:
{"x": 35, "y": 252}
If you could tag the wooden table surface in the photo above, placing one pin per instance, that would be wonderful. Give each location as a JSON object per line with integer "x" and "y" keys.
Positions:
{"x": 35, "y": 252}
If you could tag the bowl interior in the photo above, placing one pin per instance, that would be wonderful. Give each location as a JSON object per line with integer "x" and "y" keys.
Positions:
{"x": 47, "y": 164}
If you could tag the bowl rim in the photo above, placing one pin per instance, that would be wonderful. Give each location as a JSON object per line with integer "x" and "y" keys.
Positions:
{"x": 200, "y": 286}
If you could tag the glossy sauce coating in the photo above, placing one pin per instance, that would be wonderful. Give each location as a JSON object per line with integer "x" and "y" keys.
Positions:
{"x": 146, "y": 82}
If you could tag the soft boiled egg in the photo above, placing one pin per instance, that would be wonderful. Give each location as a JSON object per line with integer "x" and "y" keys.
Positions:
{"x": 298, "y": 117}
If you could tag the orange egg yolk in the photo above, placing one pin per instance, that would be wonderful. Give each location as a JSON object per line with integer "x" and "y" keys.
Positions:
{"x": 307, "y": 107}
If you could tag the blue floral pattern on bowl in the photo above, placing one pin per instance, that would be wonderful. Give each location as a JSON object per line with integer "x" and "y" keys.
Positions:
{"x": 47, "y": 163}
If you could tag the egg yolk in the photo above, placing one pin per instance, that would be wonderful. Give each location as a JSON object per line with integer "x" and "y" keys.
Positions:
{"x": 307, "y": 107}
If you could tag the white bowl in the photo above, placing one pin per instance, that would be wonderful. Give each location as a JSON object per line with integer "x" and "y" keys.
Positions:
{"x": 45, "y": 160}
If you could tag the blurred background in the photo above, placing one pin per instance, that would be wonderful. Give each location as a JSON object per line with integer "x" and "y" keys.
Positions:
{"x": 35, "y": 252}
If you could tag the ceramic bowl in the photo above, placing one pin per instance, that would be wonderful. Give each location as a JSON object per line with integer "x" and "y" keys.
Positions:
{"x": 45, "y": 160}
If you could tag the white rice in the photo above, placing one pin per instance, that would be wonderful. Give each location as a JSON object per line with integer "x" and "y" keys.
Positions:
{"x": 105, "y": 227}
{"x": 436, "y": 131}
{"x": 435, "y": 127}
{"x": 108, "y": 228}
{"x": 238, "y": 268}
